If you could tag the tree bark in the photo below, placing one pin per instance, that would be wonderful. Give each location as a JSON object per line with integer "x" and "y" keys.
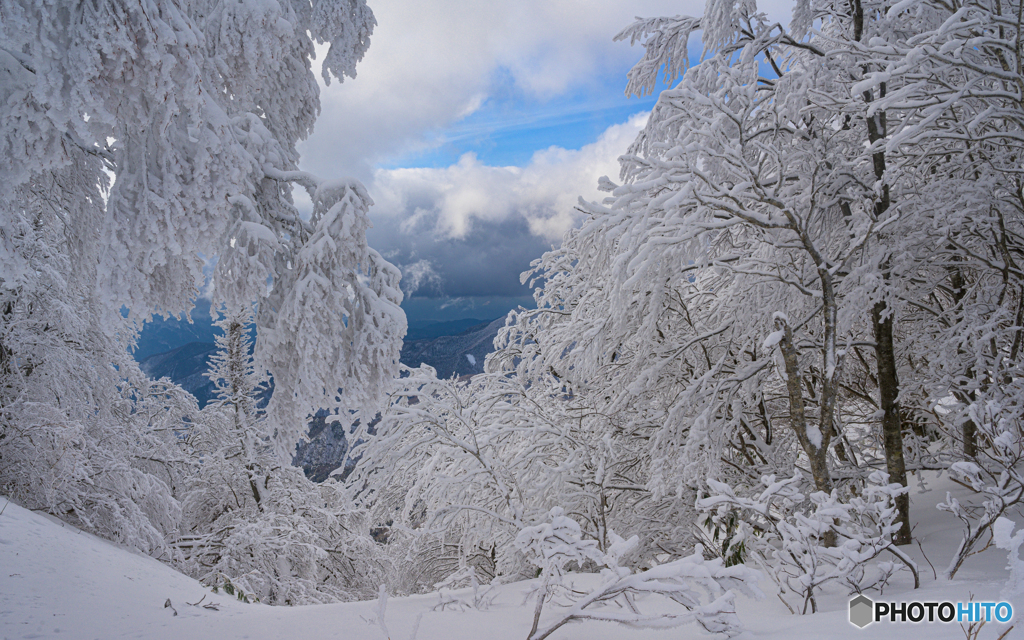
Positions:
{"x": 892, "y": 425}
{"x": 885, "y": 357}
{"x": 968, "y": 430}
{"x": 816, "y": 447}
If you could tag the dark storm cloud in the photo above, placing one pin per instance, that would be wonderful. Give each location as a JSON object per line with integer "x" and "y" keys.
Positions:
{"x": 486, "y": 262}
{"x": 471, "y": 229}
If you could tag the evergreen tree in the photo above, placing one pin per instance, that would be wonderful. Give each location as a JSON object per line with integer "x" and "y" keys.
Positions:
{"x": 255, "y": 525}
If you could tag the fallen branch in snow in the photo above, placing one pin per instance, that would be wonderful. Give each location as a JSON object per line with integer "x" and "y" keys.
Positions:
{"x": 212, "y": 606}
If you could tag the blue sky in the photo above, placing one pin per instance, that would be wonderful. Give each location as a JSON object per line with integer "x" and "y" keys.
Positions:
{"x": 509, "y": 126}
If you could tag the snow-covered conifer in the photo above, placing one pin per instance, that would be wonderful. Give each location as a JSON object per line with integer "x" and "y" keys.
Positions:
{"x": 251, "y": 522}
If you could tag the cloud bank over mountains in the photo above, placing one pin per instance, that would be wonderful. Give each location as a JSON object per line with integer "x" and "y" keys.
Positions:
{"x": 477, "y": 125}
{"x": 477, "y": 227}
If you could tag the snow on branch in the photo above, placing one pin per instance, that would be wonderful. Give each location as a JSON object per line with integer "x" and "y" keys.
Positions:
{"x": 556, "y": 543}
{"x": 1004, "y": 538}
{"x": 790, "y": 535}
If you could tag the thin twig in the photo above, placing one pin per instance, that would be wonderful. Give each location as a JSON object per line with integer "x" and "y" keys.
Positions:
{"x": 785, "y": 603}
{"x": 935, "y": 576}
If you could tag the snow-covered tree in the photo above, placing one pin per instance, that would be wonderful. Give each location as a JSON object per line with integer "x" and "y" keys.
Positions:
{"x": 137, "y": 139}
{"x": 194, "y": 110}
{"x": 454, "y": 470}
{"x": 726, "y": 244}
{"x": 783, "y": 212}
{"x": 958, "y": 143}
{"x": 253, "y": 523}
{"x": 232, "y": 439}
{"x": 83, "y": 433}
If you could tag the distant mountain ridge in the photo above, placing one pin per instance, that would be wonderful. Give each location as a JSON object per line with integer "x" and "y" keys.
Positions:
{"x": 185, "y": 366}
{"x": 163, "y": 335}
{"x": 427, "y": 329}
{"x": 458, "y": 355}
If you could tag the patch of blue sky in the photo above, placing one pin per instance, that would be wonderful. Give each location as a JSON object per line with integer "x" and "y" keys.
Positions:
{"x": 507, "y": 132}
{"x": 510, "y": 125}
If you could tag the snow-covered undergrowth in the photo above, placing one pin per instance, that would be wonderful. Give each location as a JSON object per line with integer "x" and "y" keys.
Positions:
{"x": 58, "y": 582}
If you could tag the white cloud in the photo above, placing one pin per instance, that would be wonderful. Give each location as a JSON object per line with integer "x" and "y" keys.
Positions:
{"x": 447, "y": 202}
{"x": 431, "y": 63}
{"x": 418, "y": 275}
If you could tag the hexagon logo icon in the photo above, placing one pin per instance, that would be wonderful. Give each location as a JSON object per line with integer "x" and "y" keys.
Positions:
{"x": 861, "y": 609}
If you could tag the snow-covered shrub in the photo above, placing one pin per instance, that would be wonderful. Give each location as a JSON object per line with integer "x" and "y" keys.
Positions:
{"x": 116, "y": 475}
{"x": 455, "y": 469}
{"x": 995, "y": 473}
{"x": 555, "y": 544}
{"x": 789, "y": 534}
{"x": 1004, "y": 538}
{"x": 303, "y": 547}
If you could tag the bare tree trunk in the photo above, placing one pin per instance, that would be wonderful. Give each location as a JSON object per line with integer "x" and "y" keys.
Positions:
{"x": 885, "y": 357}
{"x": 892, "y": 425}
{"x": 813, "y": 439}
{"x": 968, "y": 431}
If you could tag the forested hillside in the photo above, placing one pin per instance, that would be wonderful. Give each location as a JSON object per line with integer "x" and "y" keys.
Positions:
{"x": 801, "y": 296}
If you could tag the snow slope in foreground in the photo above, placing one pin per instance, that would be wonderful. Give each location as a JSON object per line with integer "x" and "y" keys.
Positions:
{"x": 58, "y": 582}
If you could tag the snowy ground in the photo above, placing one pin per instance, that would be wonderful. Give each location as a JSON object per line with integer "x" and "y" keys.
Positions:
{"x": 58, "y": 582}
